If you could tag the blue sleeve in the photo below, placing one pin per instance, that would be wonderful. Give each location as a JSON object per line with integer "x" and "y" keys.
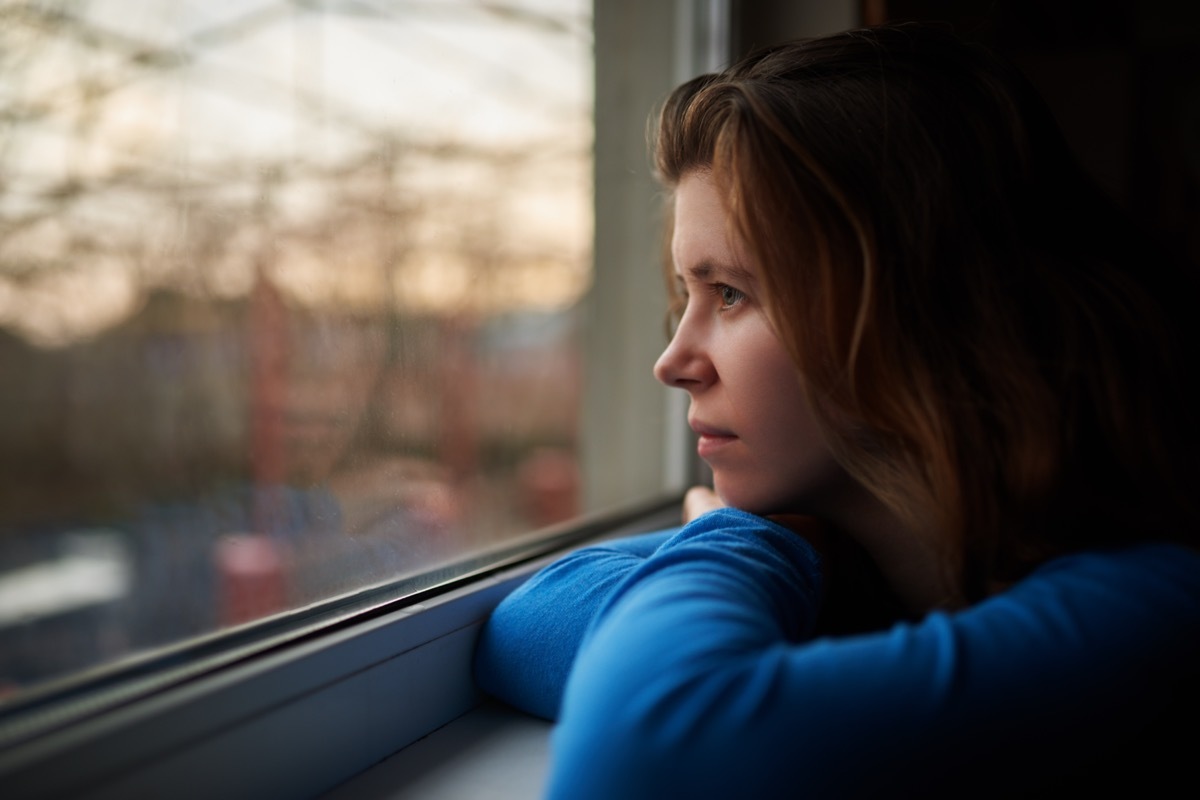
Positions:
{"x": 700, "y": 676}
{"x": 528, "y": 644}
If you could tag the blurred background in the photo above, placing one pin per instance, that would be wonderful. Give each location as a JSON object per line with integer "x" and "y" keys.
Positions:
{"x": 289, "y": 304}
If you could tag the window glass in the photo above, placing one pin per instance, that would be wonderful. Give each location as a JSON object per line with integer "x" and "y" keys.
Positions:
{"x": 288, "y": 305}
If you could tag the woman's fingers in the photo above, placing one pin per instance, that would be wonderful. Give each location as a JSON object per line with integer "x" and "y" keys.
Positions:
{"x": 699, "y": 500}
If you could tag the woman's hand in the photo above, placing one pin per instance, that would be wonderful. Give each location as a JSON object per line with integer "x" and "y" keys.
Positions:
{"x": 857, "y": 597}
{"x": 699, "y": 500}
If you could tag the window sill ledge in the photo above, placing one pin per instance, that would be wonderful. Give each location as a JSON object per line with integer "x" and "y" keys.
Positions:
{"x": 492, "y": 751}
{"x": 318, "y": 718}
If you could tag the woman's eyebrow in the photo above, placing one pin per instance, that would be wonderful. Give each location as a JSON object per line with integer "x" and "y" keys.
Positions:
{"x": 708, "y": 271}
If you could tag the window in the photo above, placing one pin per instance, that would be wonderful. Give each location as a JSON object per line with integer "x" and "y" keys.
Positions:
{"x": 289, "y": 307}
{"x": 309, "y": 313}
{"x": 281, "y": 282}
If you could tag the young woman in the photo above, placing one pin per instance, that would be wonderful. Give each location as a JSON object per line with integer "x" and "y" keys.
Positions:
{"x": 950, "y": 549}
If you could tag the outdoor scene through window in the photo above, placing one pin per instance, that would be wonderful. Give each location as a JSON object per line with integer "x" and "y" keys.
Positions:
{"x": 288, "y": 305}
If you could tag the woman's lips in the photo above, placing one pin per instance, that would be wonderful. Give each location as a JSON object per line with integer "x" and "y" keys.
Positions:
{"x": 711, "y": 439}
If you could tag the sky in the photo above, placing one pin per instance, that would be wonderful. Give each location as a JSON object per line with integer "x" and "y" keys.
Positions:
{"x": 425, "y": 156}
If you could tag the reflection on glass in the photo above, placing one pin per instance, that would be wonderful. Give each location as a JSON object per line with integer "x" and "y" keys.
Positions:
{"x": 287, "y": 305}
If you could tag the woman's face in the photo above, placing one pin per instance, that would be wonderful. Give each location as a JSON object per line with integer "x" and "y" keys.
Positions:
{"x": 755, "y": 427}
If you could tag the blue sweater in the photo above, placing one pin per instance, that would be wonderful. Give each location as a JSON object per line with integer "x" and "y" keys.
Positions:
{"x": 684, "y": 663}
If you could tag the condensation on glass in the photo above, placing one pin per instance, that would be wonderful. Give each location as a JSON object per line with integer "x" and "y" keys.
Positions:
{"x": 288, "y": 305}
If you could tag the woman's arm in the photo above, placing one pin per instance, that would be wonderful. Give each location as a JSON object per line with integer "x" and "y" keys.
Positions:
{"x": 528, "y": 644}
{"x": 701, "y": 678}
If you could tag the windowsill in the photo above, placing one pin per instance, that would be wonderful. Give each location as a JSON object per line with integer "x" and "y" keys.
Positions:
{"x": 379, "y": 709}
{"x": 492, "y": 751}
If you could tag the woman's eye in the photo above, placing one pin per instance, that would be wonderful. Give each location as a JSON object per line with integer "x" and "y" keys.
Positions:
{"x": 728, "y": 295}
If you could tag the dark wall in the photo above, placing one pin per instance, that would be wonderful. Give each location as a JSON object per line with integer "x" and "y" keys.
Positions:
{"x": 1123, "y": 79}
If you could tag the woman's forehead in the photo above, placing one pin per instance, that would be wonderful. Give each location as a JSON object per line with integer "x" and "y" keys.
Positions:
{"x": 704, "y": 243}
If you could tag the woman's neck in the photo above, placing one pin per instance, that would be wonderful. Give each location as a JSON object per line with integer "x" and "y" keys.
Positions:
{"x": 916, "y": 567}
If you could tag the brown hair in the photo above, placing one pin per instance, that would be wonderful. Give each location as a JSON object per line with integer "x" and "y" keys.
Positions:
{"x": 1002, "y": 341}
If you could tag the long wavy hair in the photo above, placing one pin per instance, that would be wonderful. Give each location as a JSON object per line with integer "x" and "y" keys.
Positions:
{"x": 995, "y": 352}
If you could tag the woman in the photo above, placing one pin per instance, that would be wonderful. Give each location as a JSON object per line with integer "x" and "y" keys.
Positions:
{"x": 949, "y": 549}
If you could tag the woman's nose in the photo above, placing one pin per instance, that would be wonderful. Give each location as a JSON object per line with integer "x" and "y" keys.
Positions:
{"x": 685, "y": 363}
